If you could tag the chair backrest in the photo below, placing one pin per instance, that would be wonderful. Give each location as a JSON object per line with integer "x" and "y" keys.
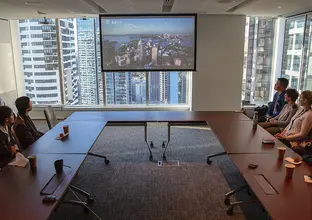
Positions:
{"x": 50, "y": 116}
{"x": 17, "y": 140}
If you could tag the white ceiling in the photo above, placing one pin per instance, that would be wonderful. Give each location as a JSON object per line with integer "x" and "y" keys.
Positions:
{"x": 72, "y": 8}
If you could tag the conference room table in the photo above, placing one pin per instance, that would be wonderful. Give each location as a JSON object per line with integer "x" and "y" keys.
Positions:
{"x": 20, "y": 187}
{"x": 234, "y": 130}
{"x": 239, "y": 137}
{"x": 156, "y": 116}
{"x": 292, "y": 198}
{"x": 82, "y": 135}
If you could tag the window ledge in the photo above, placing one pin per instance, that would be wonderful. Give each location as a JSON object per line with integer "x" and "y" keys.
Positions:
{"x": 63, "y": 112}
{"x": 114, "y": 107}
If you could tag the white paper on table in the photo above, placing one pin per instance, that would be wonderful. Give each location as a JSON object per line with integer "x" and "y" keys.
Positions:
{"x": 291, "y": 160}
{"x": 307, "y": 179}
{"x": 20, "y": 161}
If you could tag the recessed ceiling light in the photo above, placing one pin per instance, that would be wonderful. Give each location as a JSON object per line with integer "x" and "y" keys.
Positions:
{"x": 279, "y": 7}
{"x": 33, "y": 3}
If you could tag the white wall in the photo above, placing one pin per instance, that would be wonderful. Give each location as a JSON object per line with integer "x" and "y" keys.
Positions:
{"x": 217, "y": 84}
{"x": 8, "y": 91}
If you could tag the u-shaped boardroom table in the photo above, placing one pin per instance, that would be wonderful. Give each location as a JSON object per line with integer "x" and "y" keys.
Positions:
{"x": 281, "y": 197}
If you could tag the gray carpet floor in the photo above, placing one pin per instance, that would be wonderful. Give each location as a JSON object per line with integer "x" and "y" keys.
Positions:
{"x": 132, "y": 187}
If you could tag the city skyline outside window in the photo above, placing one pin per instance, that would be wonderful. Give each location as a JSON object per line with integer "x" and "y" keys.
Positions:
{"x": 62, "y": 65}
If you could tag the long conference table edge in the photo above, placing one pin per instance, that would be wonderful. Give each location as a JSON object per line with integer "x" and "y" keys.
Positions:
{"x": 150, "y": 117}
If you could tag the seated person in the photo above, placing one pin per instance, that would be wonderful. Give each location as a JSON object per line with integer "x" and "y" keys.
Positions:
{"x": 25, "y": 129}
{"x": 300, "y": 124}
{"x": 279, "y": 122}
{"x": 278, "y": 100}
{"x": 8, "y": 147}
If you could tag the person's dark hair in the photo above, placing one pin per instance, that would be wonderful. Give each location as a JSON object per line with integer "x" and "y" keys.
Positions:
{"x": 5, "y": 112}
{"x": 284, "y": 82}
{"x": 292, "y": 94}
{"x": 308, "y": 96}
{"x": 22, "y": 104}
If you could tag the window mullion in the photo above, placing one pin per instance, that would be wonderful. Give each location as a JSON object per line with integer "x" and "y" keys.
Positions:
{"x": 147, "y": 88}
{"x": 303, "y": 57}
{"x": 60, "y": 56}
{"x": 104, "y": 88}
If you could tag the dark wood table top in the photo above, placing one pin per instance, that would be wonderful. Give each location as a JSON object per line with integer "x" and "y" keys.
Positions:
{"x": 239, "y": 137}
{"x": 154, "y": 116}
{"x": 114, "y": 116}
{"x": 82, "y": 135}
{"x": 20, "y": 187}
{"x": 200, "y": 116}
{"x": 293, "y": 199}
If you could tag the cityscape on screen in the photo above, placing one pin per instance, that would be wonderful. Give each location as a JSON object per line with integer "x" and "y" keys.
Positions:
{"x": 148, "y": 43}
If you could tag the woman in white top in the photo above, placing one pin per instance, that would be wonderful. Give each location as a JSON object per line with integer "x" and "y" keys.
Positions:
{"x": 300, "y": 126}
{"x": 279, "y": 122}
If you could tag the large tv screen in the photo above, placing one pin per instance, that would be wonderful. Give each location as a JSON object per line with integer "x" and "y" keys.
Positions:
{"x": 148, "y": 42}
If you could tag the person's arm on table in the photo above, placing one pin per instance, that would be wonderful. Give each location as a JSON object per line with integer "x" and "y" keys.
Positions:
{"x": 304, "y": 131}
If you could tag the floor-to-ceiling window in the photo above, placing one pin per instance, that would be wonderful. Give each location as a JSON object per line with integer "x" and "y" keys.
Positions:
{"x": 259, "y": 38}
{"x": 306, "y": 81}
{"x": 293, "y": 48}
{"x": 61, "y": 61}
{"x": 297, "y": 64}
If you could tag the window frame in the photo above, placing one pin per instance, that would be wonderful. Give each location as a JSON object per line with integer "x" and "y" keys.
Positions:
{"x": 304, "y": 49}
{"x": 60, "y": 82}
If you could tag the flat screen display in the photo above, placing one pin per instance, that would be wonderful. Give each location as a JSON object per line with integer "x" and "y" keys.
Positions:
{"x": 148, "y": 42}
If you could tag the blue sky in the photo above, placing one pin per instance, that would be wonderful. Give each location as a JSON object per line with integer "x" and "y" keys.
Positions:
{"x": 128, "y": 25}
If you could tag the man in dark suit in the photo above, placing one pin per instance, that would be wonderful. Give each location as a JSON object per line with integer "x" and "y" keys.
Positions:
{"x": 279, "y": 98}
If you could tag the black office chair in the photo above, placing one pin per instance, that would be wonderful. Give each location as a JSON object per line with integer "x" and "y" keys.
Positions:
{"x": 20, "y": 147}
{"x": 50, "y": 116}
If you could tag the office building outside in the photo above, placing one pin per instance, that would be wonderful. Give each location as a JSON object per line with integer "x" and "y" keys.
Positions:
{"x": 293, "y": 51}
{"x": 258, "y": 56}
{"x": 40, "y": 59}
{"x": 89, "y": 61}
{"x": 75, "y": 44}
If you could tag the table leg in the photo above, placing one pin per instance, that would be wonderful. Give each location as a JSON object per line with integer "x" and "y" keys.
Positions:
{"x": 232, "y": 192}
{"x": 74, "y": 202}
{"x": 233, "y": 204}
{"x": 146, "y": 141}
{"x": 214, "y": 155}
{"x": 168, "y": 141}
{"x": 98, "y": 155}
